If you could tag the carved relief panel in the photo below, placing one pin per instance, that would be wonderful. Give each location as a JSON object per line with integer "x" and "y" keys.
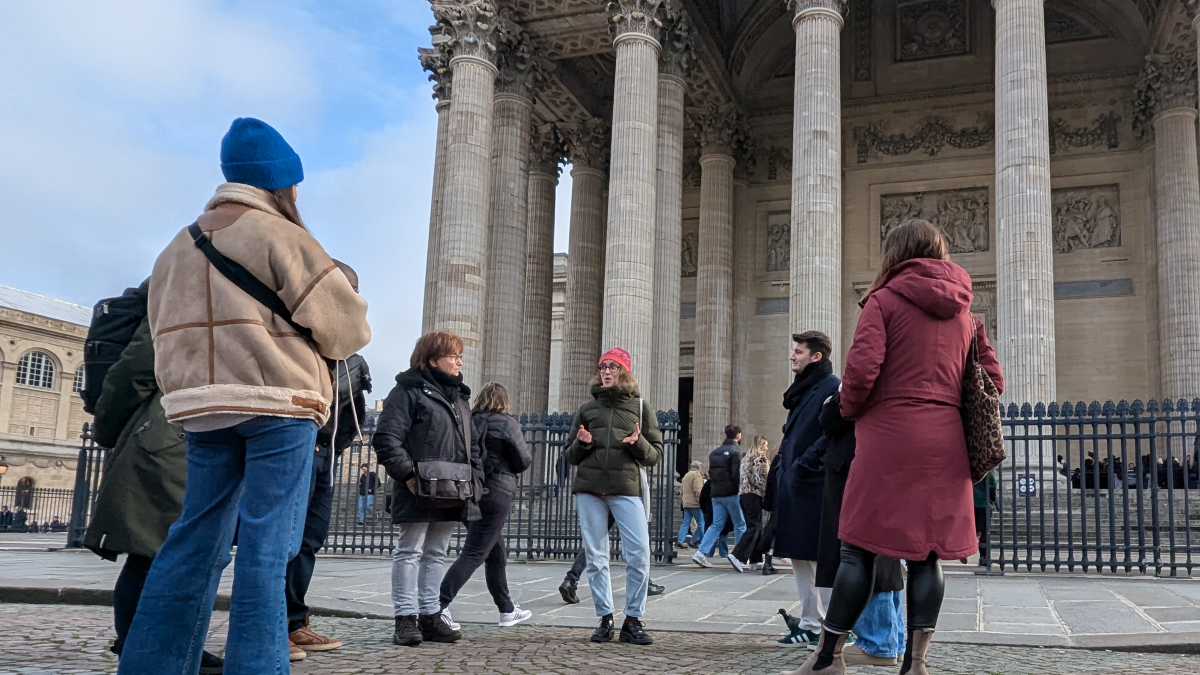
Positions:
{"x": 962, "y": 215}
{"x": 929, "y": 29}
{"x": 691, "y": 246}
{"x": 779, "y": 243}
{"x": 1086, "y": 217}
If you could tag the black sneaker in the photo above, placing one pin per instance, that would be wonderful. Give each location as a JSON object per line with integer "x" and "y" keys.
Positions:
{"x": 407, "y": 633}
{"x": 211, "y": 664}
{"x": 437, "y": 628}
{"x": 633, "y": 632}
{"x": 603, "y": 632}
{"x": 655, "y": 589}
{"x": 567, "y": 591}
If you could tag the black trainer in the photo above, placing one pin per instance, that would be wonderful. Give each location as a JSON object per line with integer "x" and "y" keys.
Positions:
{"x": 633, "y": 632}
{"x": 211, "y": 664}
{"x": 407, "y": 634}
{"x": 603, "y": 632}
{"x": 655, "y": 589}
{"x": 436, "y": 628}
{"x": 567, "y": 591}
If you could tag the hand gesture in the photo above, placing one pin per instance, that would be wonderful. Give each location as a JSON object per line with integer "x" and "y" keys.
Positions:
{"x": 584, "y": 435}
{"x": 633, "y": 438}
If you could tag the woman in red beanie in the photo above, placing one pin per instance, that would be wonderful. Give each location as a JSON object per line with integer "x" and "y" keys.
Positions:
{"x": 614, "y": 437}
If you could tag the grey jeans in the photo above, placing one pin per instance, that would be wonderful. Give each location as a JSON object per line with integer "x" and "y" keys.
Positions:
{"x": 417, "y": 567}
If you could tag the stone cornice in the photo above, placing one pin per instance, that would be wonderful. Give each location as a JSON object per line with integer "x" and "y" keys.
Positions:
{"x": 588, "y": 144}
{"x": 634, "y": 16}
{"x": 1168, "y": 81}
{"x": 25, "y": 320}
{"x": 466, "y": 27}
{"x": 547, "y": 149}
{"x": 436, "y": 60}
{"x": 678, "y": 53}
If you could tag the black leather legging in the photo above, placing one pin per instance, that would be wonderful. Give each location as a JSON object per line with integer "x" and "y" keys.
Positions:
{"x": 856, "y": 580}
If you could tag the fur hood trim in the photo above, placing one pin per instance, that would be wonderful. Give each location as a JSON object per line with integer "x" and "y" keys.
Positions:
{"x": 246, "y": 195}
{"x": 221, "y": 399}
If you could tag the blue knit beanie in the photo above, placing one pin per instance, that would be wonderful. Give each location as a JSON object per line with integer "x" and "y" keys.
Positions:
{"x": 253, "y": 153}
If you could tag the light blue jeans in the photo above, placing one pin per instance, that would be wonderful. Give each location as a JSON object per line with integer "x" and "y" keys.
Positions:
{"x": 880, "y": 628}
{"x": 257, "y": 472}
{"x": 724, "y": 508}
{"x": 696, "y": 514}
{"x": 630, "y": 516}
{"x": 364, "y": 505}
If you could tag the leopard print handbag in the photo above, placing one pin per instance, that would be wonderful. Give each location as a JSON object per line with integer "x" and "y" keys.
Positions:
{"x": 981, "y": 417}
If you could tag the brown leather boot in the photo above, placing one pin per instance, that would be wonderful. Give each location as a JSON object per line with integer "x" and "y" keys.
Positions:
{"x": 838, "y": 667}
{"x": 310, "y": 641}
{"x": 920, "y": 645}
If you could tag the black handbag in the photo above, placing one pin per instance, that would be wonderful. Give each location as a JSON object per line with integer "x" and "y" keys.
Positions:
{"x": 443, "y": 483}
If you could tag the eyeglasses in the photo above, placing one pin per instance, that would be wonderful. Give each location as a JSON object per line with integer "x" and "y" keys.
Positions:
{"x": 456, "y": 357}
{"x": 609, "y": 368}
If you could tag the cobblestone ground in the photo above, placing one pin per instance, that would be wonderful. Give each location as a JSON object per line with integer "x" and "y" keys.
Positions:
{"x": 42, "y": 639}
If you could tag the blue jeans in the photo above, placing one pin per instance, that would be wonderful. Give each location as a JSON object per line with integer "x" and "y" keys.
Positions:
{"x": 257, "y": 472}
{"x": 880, "y": 628}
{"x": 689, "y": 515}
{"x": 630, "y": 515}
{"x": 364, "y": 505}
{"x": 723, "y": 509}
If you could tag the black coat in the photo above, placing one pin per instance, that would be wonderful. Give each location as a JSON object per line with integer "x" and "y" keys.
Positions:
{"x": 799, "y": 490}
{"x": 772, "y": 483}
{"x": 505, "y": 453}
{"x": 419, "y": 423}
{"x": 837, "y": 452}
{"x": 725, "y": 469}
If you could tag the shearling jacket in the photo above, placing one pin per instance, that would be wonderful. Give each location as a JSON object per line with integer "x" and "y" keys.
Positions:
{"x": 692, "y": 484}
{"x": 220, "y": 351}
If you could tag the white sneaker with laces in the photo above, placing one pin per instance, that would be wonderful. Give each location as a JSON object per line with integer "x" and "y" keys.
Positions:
{"x": 737, "y": 564}
{"x": 454, "y": 625}
{"x": 701, "y": 559}
{"x": 515, "y": 617}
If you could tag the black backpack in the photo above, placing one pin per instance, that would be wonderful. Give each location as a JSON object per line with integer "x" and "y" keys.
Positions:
{"x": 353, "y": 383}
{"x": 114, "y": 321}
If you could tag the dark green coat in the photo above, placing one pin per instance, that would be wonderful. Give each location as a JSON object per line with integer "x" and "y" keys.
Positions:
{"x": 606, "y": 465}
{"x": 985, "y": 492}
{"x": 141, "y": 490}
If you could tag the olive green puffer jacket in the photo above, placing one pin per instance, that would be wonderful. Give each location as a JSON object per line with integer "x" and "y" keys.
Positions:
{"x": 608, "y": 467}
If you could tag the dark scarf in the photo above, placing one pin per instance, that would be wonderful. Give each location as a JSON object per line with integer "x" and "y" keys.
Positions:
{"x": 805, "y": 380}
{"x": 450, "y": 385}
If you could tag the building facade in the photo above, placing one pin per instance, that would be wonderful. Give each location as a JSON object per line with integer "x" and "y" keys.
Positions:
{"x": 41, "y": 374}
{"x": 736, "y": 165}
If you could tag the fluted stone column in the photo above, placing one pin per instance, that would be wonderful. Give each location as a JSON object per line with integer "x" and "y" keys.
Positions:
{"x": 674, "y": 62}
{"x": 520, "y": 73}
{"x": 1024, "y": 235}
{"x": 588, "y": 151}
{"x": 816, "y": 270}
{"x": 629, "y": 256}
{"x": 437, "y": 62}
{"x": 544, "y": 156}
{"x": 744, "y": 214}
{"x": 458, "y": 303}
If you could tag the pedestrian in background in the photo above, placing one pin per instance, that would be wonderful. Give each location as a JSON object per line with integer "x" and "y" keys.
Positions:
{"x": 505, "y": 456}
{"x": 689, "y": 496}
{"x": 220, "y": 352}
{"x": 909, "y": 492}
{"x": 425, "y": 437}
{"x": 613, "y": 437}
{"x": 724, "y": 474}
{"x": 799, "y": 489}
{"x": 766, "y": 540}
{"x": 368, "y": 482}
{"x": 751, "y": 490}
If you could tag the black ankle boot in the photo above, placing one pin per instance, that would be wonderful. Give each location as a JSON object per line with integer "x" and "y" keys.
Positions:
{"x": 567, "y": 591}
{"x": 768, "y": 569}
{"x": 603, "y": 632}
{"x": 436, "y": 628}
{"x": 407, "y": 633}
{"x": 634, "y": 632}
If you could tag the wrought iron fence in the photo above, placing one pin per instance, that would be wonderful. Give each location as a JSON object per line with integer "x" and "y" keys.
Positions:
{"x": 543, "y": 524}
{"x": 1093, "y": 488}
{"x": 44, "y": 509}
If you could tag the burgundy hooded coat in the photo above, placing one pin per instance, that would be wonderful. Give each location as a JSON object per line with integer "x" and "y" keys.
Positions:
{"x": 909, "y": 489}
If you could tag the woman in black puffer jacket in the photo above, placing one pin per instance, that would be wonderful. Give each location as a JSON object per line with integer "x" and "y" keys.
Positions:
{"x": 505, "y": 456}
{"x": 424, "y": 433}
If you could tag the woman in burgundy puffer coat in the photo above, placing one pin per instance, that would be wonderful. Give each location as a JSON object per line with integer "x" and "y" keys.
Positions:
{"x": 909, "y": 492}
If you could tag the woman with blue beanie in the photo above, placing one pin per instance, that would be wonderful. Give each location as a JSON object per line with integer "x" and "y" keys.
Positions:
{"x": 250, "y": 389}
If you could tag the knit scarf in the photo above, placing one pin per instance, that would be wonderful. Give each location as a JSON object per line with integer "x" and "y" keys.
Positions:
{"x": 805, "y": 380}
{"x": 450, "y": 385}
{"x": 246, "y": 195}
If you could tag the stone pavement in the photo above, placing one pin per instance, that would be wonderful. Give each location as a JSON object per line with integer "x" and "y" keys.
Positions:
{"x": 1048, "y": 610}
{"x": 44, "y": 639}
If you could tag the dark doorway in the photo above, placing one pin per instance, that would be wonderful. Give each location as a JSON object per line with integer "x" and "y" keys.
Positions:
{"x": 683, "y": 456}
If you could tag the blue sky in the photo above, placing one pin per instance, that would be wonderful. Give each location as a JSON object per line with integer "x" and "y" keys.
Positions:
{"x": 111, "y": 119}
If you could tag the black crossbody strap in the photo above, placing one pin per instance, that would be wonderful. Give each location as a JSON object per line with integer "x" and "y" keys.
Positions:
{"x": 243, "y": 279}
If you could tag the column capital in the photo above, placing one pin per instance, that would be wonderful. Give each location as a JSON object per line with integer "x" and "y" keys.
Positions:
{"x": 547, "y": 149}
{"x": 718, "y": 129}
{"x": 523, "y": 67}
{"x": 677, "y": 56}
{"x": 466, "y": 27}
{"x": 804, "y": 8}
{"x": 588, "y": 144}
{"x": 436, "y": 60}
{"x": 635, "y": 16}
{"x": 1168, "y": 81}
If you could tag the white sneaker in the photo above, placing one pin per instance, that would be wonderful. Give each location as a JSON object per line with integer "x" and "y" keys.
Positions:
{"x": 515, "y": 617}
{"x": 454, "y": 625}
{"x": 701, "y": 559}
{"x": 737, "y": 564}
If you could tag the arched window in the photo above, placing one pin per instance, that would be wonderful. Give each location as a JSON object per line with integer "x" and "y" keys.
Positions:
{"x": 36, "y": 369}
{"x": 77, "y": 385}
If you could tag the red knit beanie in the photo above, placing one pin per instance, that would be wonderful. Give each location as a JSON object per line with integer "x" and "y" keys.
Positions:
{"x": 620, "y": 356}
